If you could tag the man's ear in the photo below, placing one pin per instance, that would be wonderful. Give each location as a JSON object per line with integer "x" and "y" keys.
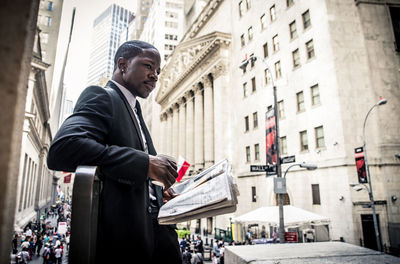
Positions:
{"x": 122, "y": 64}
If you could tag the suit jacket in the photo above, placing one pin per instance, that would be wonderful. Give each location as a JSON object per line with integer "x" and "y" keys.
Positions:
{"x": 103, "y": 131}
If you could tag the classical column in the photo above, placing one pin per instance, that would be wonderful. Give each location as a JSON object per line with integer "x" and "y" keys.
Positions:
{"x": 182, "y": 128}
{"x": 169, "y": 131}
{"x": 198, "y": 128}
{"x": 223, "y": 118}
{"x": 163, "y": 127}
{"x": 190, "y": 128}
{"x": 208, "y": 122}
{"x": 175, "y": 130}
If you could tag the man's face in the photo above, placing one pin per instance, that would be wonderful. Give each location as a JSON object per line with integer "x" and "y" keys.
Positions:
{"x": 141, "y": 73}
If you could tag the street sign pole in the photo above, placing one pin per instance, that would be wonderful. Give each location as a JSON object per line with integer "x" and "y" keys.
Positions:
{"x": 278, "y": 169}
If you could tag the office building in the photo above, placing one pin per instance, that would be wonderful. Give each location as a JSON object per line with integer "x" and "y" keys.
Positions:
{"x": 106, "y": 39}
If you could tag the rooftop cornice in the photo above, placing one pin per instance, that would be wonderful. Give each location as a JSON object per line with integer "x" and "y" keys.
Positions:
{"x": 186, "y": 57}
{"x": 202, "y": 19}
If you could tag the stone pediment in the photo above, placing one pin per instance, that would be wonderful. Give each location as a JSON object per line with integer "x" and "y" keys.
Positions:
{"x": 186, "y": 57}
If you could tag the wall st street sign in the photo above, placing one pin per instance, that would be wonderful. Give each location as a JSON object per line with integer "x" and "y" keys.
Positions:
{"x": 263, "y": 168}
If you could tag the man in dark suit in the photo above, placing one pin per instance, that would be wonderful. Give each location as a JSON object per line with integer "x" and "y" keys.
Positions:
{"x": 107, "y": 130}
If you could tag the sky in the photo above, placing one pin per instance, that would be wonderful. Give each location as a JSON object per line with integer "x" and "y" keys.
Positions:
{"x": 78, "y": 58}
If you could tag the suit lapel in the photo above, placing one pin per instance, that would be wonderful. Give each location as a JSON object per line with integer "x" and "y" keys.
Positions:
{"x": 129, "y": 109}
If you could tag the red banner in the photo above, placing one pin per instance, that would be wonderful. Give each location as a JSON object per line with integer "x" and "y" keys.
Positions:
{"x": 360, "y": 165}
{"x": 270, "y": 137}
{"x": 67, "y": 178}
{"x": 291, "y": 237}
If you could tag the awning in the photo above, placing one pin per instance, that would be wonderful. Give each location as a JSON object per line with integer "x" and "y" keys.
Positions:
{"x": 293, "y": 216}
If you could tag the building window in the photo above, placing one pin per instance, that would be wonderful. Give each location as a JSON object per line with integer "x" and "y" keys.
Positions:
{"x": 315, "y": 98}
{"x": 303, "y": 141}
{"x": 171, "y": 14}
{"x": 265, "y": 49}
{"x": 253, "y": 194}
{"x": 255, "y": 120}
{"x": 310, "y": 49}
{"x": 246, "y": 123}
{"x": 316, "y": 199}
{"x": 50, "y": 6}
{"x": 44, "y": 37}
{"x": 242, "y": 41}
{"x": 248, "y": 154}
{"x": 319, "y": 137}
{"x": 395, "y": 16}
{"x": 293, "y": 30}
{"x": 289, "y": 3}
{"x": 252, "y": 62}
{"x": 257, "y": 152}
{"x": 283, "y": 145}
{"x": 263, "y": 20}
{"x": 296, "y": 58}
{"x": 241, "y": 8}
{"x": 48, "y": 23}
{"x": 272, "y": 13}
{"x": 278, "y": 71}
{"x": 267, "y": 75}
{"x": 245, "y": 90}
{"x": 300, "y": 101}
{"x": 281, "y": 110}
{"x": 275, "y": 43}
{"x": 248, "y": 4}
{"x": 250, "y": 33}
{"x": 306, "y": 19}
{"x": 253, "y": 84}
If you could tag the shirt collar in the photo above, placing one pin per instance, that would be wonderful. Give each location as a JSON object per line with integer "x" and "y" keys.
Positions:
{"x": 128, "y": 95}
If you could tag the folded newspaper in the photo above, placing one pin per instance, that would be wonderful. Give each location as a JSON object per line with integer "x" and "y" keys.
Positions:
{"x": 209, "y": 193}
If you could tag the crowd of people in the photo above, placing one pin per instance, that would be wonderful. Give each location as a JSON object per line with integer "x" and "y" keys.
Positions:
{"x": 43, "y": 240}
{"x": 192, "y": 252}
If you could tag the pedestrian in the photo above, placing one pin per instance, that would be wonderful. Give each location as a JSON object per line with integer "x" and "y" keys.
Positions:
{"x": 39, "y": 244}
{"x": 25, "y": 244}
{"x": 14, "y": 256}
{"x": 216, "y": 252}
{"x": 197, "y": 258}
{"x": 198, "y": 246}
{"x": 58, "y": 254}
{"x": 46, "y": 253}
{"x": 23, "y": 256}
{"x": 15, "y": 242}
{"x": 28, "y": 232}
{"x": 182, "y": 244}
{"x": 107, "y": 130}
{"x": 221, "y": 253}
{"x": 52, "y": 256}
{"x": 186, "y": 256}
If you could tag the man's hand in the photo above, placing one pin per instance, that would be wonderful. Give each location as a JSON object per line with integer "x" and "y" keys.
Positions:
{"x": 162, "y": 170}
{"x": 168, "y": 194}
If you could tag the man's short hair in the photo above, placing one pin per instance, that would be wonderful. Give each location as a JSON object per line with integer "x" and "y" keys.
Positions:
{"x": 131, "y": 49}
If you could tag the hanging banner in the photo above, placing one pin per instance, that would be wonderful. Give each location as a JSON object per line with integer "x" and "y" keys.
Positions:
{"x": 67, "y": 178}
{"x": 270, "y": 137}
{"x": 360, "y": 165}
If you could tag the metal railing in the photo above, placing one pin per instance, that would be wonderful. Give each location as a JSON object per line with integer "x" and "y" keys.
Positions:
{"x": 85, "y": 209}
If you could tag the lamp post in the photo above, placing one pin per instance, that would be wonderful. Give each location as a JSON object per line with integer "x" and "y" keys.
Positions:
{"x": 301, "y": 165}
{"x": 243, "y": 65}
{"x": 382, "y": 101}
